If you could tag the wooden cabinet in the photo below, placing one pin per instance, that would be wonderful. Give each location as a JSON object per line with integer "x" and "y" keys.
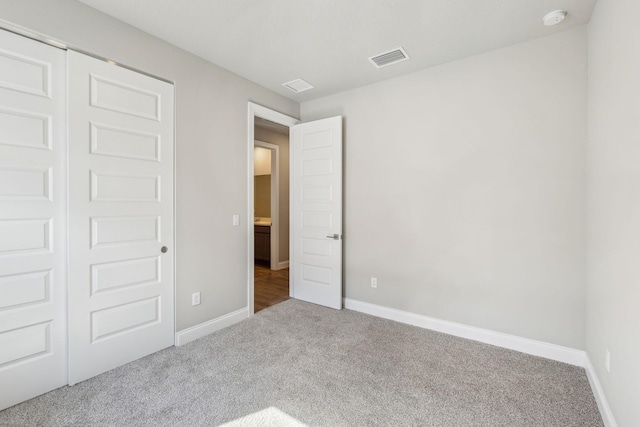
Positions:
{"x": 262, "y": 242}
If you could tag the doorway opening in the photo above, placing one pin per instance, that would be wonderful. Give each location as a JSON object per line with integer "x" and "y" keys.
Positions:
{"x": 315, "y": 206}
{"x": 271, "y": 214}
{"x": 268, "y": 208}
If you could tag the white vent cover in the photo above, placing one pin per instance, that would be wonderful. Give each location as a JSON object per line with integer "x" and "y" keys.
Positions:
{"x": 388, "y": 58}
{"x": 298, "y": 85}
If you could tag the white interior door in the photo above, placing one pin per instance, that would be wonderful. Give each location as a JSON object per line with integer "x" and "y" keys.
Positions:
{"x": 316, "y": 209}
{"x": 121, "y": 283}
{"x": 32, "y": 219}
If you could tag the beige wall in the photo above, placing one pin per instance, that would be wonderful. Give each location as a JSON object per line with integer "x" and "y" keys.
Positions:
{"x": 613, "y": 208}
{"x": 464, "y": 189}
{"x": 261, "y": 161}
{"x": 281, "y": 141}
{"x": 211, "y": 146}
{"x": 262, "y": 195}
{"x": 262, "y": 182}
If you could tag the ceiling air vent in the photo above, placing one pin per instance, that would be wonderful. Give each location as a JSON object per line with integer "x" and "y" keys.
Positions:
{"x": 298, "y": 85}
{"x": 391, "y": 57}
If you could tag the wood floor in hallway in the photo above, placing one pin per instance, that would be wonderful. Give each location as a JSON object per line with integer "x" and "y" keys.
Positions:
{"x": 270, "y": 286}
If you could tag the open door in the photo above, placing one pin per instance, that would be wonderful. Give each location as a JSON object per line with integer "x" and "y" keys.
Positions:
{"x": 316, "y": 212}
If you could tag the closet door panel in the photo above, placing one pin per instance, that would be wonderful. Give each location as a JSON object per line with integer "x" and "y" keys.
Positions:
{"x": 33, "y": 346}
{"x": 121, "y": 214}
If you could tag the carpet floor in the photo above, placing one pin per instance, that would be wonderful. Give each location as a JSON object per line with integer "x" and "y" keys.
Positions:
{"x": 297, "y": 364}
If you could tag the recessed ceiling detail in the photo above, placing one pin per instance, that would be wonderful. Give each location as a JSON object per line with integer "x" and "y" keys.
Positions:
{"x": 298, "y": 85}
{"x": 389, "y": 58}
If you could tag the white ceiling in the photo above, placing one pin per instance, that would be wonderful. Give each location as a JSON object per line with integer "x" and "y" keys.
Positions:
{"x": 327, "y": 42}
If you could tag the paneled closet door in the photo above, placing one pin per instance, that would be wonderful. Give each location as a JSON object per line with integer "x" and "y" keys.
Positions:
{"x": 121, "y": 281}
{"x": 33, "y": 353}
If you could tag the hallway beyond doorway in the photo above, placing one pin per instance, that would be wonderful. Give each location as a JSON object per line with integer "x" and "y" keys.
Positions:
{"x": 271, "y": 287}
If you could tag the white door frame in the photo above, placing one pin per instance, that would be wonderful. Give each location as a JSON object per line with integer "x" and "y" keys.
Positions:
{"x": 256, "y": 110}
{"x": 274, "y": 260}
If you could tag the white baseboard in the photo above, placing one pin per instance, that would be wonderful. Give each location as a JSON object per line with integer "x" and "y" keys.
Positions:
{"x": 199, "y": 331}
{"x": 512, "y": 342}
{"x": 283, "y": 264}
{"x": 601, "y": 399}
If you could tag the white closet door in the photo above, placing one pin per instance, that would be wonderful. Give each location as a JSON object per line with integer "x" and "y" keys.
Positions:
{"x": 121, "y": 285}
{"x": 32, "y": 219}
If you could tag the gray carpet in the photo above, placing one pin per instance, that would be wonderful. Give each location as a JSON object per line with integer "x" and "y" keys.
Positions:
{"x": 298, "y": 364}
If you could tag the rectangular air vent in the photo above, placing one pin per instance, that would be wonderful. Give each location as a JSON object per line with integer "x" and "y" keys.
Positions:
{"x": 298, "y": 85}
{"x": 388, "y": 58}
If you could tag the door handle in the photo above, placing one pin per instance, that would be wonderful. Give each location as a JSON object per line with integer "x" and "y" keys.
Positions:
{"x": 334, "y": 236}
{"x": 164, "y": 249}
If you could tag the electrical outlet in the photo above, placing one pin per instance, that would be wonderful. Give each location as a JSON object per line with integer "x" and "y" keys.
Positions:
{"x": 374, "y": 282}
{"x": 236, "y": 220}
{"x": 195, "y": 298}
{"x": 607, "y": 360}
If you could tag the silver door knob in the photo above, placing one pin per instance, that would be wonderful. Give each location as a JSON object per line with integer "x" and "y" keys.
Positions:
{"x": 334, "y": 236}
{"x": 164, "y": 249}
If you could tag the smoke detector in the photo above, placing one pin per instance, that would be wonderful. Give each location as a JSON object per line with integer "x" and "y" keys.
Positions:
{"x": 388, "y": 58}
{"x": 555, "y": 17}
